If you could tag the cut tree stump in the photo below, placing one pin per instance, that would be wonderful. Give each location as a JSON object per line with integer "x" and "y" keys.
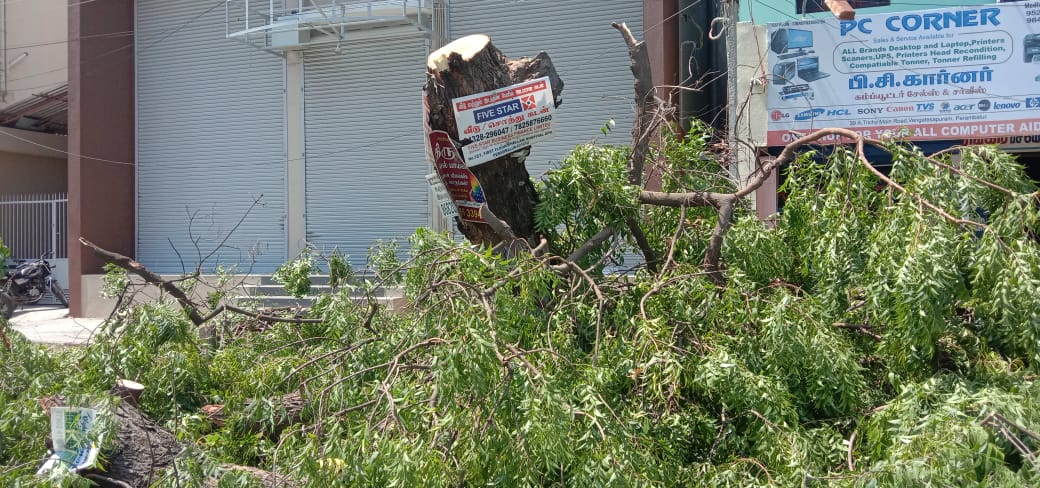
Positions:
{"x": 139, "y": 453}
{"x": 128, "y": 391}
{"x": 142, "y": 450}
{"x": 473, "y": 65}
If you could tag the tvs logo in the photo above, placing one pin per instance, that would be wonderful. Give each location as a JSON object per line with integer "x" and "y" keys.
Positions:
{"x": 777, "y": 115}
{"x": 809, "y": 114}
{"x": 529, "y": 102}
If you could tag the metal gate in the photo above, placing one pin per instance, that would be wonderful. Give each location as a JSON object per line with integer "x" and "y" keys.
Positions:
{"x": 35, "y": 224}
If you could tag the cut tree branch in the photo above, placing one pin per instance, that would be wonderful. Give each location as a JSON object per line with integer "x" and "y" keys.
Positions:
{"x": 258, "y": 316}
{"x": 138, "y": 269}
{"x": 644, "y": 129}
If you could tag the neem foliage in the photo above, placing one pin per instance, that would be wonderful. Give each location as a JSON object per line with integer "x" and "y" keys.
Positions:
{"x": 862, "y": 339}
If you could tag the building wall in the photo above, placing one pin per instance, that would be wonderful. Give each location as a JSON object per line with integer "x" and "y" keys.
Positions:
{"x": 32, "y": 174}
{"x": 34, "y": 46}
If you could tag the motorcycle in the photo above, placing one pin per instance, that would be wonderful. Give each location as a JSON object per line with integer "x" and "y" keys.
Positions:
{"x": 27, "y": 284}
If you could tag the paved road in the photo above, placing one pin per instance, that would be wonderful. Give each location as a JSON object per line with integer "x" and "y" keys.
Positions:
{"x": 51, "y": 324}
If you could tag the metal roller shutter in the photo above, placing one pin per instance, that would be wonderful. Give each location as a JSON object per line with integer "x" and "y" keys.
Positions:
{"x": 588, "y": 54}
{"x": 210, "y": 140}
{"x": 366, "y": 162}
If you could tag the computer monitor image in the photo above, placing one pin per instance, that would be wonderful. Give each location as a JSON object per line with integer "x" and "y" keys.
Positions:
{"x": 809, "y": 68}
{"x": 799, "y": 39}
{"x": 784, "y": 72}
{"x": 785, "y": 40}
{"x": 778, "y": 42}
{"x": 810, "y": 64}
{"x": 1031, "y": 48}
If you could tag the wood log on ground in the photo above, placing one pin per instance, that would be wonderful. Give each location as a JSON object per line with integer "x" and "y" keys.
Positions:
{"x": 288, "y": 411}
{"x": 142, "y": 450}
{"x": 473, "y": 65}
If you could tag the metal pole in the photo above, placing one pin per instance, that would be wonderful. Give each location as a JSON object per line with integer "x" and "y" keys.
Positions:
{"x": 54, "y": 227}
{"x": 247, "y": 14}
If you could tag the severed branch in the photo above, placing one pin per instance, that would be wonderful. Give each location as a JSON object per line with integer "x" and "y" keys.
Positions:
{"x": 128, "y": 264}
{"x": 645, "y": 127}
{"x": 498, "y": 225}
{"x": 647, "y": 105}
{"x": 861, "y": 328}
{"x": 725, "y": 202}
{"x": 258, "y": 316}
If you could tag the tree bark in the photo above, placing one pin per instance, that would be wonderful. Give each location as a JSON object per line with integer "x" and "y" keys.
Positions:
{"x": 291, "y": 410}
{"x": 142, "y": 450}
{"x": 473, "y": 65}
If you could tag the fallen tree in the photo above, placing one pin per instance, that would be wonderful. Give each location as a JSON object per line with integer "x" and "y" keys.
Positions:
{"x": 882, "y": 331}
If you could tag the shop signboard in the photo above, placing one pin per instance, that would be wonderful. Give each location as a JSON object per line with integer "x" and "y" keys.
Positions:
{"x": 953, "y": 73}
{"x": 495, "y": 123}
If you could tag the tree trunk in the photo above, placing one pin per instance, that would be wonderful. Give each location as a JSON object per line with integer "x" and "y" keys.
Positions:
{"x": 142, "y": 450}
{"x": 472, "y": 65}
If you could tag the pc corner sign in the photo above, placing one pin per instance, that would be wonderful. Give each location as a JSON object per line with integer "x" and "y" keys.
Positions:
{"x": 953, "y": 73}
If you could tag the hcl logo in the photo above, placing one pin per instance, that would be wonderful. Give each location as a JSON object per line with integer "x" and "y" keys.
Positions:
{"x": 838, "y": 112}
{"x": 809, "y": 114}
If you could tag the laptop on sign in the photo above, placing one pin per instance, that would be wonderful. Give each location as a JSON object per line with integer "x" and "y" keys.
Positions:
{"x": 809, "y": 69}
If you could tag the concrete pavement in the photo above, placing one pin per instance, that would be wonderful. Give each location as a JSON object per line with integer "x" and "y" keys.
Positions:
{"x": 51, "y": 324}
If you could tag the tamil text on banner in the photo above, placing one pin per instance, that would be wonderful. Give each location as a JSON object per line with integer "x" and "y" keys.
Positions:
{"x": 503, "y": 121}
{"x": 462, "y": 187}
{"x": 954, "y": 73}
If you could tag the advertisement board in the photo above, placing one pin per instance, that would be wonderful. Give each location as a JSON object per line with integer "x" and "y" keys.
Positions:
{"x": 460, "y": 186}
{"x": 495, "y": 123}
{"x": 954, "y": 73}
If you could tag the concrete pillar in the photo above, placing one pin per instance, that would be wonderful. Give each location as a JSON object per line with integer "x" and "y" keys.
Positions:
{"x": 661, "y": 33}
{"x": 752, "y": 81}
{"x": 296, "y": 165}
{"x": 101, "y": 136}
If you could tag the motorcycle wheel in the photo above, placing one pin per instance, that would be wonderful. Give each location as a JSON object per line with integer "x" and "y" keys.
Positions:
{"x": 59, "y": 293}
{"x": 7, "y": 305}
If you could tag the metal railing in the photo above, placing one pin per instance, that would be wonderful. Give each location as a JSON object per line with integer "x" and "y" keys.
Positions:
{"x": 32, "y": 225}
{"x": 255, "y": 21}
